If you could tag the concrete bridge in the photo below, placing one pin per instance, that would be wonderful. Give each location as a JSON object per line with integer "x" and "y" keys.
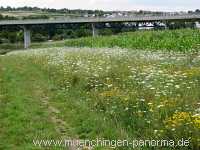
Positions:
{"x": 139, "y": 19}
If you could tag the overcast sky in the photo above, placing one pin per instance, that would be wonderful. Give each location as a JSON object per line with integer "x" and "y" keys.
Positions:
{"x": 154, "y": 5}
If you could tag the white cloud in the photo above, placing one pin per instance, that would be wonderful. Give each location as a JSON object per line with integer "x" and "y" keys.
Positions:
{"x": 106, "y": 4}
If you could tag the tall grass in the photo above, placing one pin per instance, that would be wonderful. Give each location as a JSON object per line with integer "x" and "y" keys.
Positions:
{"x": 182, "y": 40}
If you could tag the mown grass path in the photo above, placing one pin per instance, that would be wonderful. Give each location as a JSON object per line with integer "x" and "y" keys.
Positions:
{"x": 32, "y": 108}
{"x": 25, "y": 114}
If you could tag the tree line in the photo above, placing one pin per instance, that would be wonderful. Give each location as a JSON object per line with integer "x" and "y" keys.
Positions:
{"x": 80, "y": 12}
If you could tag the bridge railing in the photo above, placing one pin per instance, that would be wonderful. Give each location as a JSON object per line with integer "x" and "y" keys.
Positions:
{"x": 101, "y": 19}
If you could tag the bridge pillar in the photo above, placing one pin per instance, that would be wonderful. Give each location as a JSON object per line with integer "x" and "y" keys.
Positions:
{"x": 94, "y": 30}
{"x": 137, "y": 25}
{"x": 27, "y": 37}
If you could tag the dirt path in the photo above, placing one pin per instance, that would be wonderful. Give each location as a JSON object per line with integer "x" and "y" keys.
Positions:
{"x": 60, "y": 125}
{"x": 40, "y": 89}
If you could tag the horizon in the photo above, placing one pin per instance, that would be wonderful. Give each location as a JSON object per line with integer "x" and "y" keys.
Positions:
{"x": 99, "y": 9}
{"x": 107, "y": 5}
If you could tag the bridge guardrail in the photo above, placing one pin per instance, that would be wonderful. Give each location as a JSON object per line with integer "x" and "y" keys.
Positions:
{"x": 100, "y": 19}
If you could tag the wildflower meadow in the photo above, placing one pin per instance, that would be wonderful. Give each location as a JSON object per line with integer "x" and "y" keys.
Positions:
{"x": 110, "y": 93}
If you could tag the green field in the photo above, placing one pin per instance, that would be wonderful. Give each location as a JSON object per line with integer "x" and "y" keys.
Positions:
{"x": 138, "y": 86}
{"x": 182, "y": 40}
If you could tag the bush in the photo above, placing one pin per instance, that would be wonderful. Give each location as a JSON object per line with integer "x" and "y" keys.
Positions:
{"x": 105, "y": 32}
{"x": 83, "y": 33}
{"x": 12, "y": 37}
{"x": 57, "y": 37}
{"x": 39, "y": 37}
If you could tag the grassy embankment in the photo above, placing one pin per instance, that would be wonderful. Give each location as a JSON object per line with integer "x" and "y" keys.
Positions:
{"x": 109, "y": 93}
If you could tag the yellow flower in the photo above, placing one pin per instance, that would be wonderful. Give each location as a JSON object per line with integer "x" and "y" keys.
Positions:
{"x": 179, "y": 119}
{"x": 196, "y": 121}
{"x": 195, "y": 71}
{"x": 111, "y": 93}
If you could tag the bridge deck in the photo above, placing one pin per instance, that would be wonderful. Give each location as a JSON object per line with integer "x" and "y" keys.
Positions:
{"x": 99, "y": 20}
